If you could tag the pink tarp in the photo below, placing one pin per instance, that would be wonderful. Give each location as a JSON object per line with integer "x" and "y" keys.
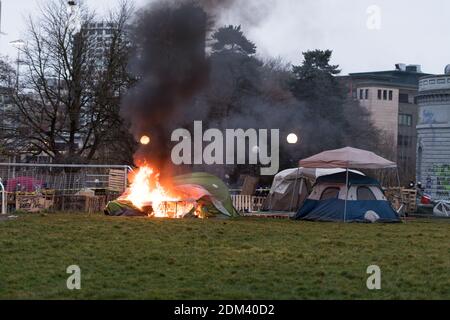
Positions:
{"x": 23, "y": 184}
{"x": 347, "y": 158}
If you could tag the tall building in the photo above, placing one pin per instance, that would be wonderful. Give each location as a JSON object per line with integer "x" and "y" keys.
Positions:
{"x": 101, "y": 34}
{"x": 6, "y": 121}
{"x": 6, "y": 110}
{"x": 433, "y": 146}
{"x": 5, "y": 107}
{"x": 389, "y": 96}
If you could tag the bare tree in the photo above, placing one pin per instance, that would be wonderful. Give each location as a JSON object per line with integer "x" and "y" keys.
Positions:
{"x": 7, "y": 73}
{"x": 69, "y": 97}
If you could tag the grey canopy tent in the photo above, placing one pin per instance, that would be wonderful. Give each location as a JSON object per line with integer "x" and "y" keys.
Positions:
{"x": 348, "y": 158}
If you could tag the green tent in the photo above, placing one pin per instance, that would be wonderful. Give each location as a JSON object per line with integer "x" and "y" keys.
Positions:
{"x": 122, "y": 208}
{"x": 207, "y": 190}
{"x": 220, "y": 200}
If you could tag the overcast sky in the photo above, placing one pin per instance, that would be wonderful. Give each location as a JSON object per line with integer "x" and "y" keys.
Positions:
{"x": 365, "y": 35}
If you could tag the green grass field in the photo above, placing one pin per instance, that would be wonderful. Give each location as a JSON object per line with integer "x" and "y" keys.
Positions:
{"x": 124, "y": 258}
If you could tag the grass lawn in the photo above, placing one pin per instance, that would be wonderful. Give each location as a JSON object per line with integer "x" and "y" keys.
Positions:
{"x": 126, "y": 258}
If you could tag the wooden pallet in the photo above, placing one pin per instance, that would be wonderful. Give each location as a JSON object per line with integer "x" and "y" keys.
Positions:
{"x": 267, "y": 215}
{"x": 116, "y": 180}
{"x": 410, "y": 198}
{"x": 80, "y": 203}
{"x": 249, "y": 187}
{"x": 401, "y": 196}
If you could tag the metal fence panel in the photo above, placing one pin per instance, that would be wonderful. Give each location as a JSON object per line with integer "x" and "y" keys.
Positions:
{"x": 60, "y": 179}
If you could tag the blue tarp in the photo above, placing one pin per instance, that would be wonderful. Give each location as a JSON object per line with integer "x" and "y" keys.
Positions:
{"x": 332, "y": 210}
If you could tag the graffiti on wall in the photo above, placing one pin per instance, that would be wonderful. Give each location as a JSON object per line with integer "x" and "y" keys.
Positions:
{"x": 427, "y": 117}
{"x": 441, "y": 176}
{"x": 32, "y": 203}
{"x": 434, "y": 115}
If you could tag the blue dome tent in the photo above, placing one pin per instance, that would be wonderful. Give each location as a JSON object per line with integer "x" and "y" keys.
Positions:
{"x": 366, "y": 201}
{"x": 347, "y": 196}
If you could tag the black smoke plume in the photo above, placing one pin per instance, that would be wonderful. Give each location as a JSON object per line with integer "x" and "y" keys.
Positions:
{"x": 171, "y": 66}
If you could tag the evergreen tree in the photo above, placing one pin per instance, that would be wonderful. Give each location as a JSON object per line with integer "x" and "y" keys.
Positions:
{"x": 315, "y": 84}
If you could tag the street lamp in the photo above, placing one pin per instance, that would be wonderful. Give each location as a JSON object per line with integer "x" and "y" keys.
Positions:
{"x": 73, "y": 9}
{"x": 18, "y": 44}
{"x": 1, "y": 32}
{"x": 292, "y": 140}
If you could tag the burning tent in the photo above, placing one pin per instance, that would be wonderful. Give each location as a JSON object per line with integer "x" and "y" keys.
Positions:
{"x": 198, "y": 195}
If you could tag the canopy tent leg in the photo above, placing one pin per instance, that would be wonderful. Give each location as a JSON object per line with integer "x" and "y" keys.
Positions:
{"x": 300, "y": 192}
{"x": 401, "y": 194}
{"x": 4, "y": 207}
{"x": 293, "y": 191}
{"x": 346, "y": 195}
{"x": 270, "y": 200}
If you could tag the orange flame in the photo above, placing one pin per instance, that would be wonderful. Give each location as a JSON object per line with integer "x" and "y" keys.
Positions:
{"x": 146, "y": 190}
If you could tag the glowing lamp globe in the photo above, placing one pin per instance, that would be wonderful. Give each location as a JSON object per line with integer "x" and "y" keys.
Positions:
{"x": 145, "y": 140}
{"x": 292, "y": 138}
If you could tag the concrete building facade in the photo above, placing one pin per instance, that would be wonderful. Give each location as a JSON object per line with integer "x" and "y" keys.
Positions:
{"x": 5, "y": 108}
{"x": 6, "y": 123}
{"x": 390, "y": 97}
{"x": 433, "y": 145}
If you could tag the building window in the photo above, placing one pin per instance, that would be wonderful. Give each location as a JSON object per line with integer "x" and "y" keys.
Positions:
{"x": 384, "y": 94}
{"x": 361, "y": 94}
{"x": 367, "y": 94}
{"x": 402, "y": 141}
{"x": 405, "y": 120}
{"x": 379, "y": 94}
{"x": 390, "y": 95}
{"x": 403, "y": 98}
{"x": 405, "y": 141}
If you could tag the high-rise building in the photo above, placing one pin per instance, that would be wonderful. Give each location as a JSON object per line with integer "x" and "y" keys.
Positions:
{"x": 389, "y": 96}
{"x": 433, "y": 145}
{"x": 6, "y": 119}
{"x": 6, "y": 108}
{"x": 101, "y": 34}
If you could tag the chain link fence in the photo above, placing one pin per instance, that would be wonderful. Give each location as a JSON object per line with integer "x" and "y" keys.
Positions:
{"x": 37, "y": 187}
